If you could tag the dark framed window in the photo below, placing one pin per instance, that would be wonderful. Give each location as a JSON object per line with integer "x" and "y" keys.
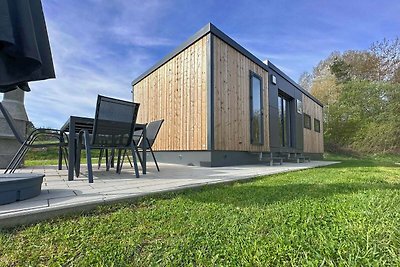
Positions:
{"x": 299, "y": 106}
{"x": 307, "y": 121}
{"x": 317, "y": 126}
{"x": 256, "y": 110}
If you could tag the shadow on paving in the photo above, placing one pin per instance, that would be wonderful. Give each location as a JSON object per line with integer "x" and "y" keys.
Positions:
{"x": 246, "y": 195}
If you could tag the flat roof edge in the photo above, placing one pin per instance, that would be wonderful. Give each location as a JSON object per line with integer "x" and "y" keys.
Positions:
{"x": 198, "y": 35}
{"x": 217, "y": 32}
{"x": 286, "y": 77}
{"x": 211, "y": 28}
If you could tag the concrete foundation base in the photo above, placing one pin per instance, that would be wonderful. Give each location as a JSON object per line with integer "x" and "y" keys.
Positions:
{"x": 212, "y": 158}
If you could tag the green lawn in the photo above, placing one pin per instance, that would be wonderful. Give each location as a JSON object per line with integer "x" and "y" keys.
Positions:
{"x": 49, "y": 156}
{"x": 341, "y": 215}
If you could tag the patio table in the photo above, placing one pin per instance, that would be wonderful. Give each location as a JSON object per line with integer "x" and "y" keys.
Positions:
{"x": 73, "y": 126}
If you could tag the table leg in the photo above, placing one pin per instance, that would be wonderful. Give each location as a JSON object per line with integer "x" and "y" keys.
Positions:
{"x": 144, "y": 152}
{"x": 71, "y": 150}
{"x": 112, "y": 157}
{"x": 60, "y": 152}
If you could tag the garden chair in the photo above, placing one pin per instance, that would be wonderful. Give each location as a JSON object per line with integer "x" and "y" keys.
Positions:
{"x": 113, "y": 127}
{"x": 32, "y": 141}
{"x": 152, "y": 130}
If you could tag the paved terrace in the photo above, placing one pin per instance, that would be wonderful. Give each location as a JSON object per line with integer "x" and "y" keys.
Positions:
{"x": 60, "y": 196}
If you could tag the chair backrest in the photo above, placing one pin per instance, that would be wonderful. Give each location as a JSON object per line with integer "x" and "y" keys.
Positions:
{"x": 11, "y": 123}
{"x": 152, "y": 130}
{"x": 114, "y": 122}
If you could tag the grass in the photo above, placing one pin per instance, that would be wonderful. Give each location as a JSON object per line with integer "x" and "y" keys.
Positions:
{"x": 342, "y": 215}
{"x": 49, "y": 156}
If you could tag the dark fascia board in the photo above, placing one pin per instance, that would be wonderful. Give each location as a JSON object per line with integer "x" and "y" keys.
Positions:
{"x": 198, "y": 35}
{"x": 287, "y": 78}
{"x": 211, "y": 28}
{"x": 217, "y": 32}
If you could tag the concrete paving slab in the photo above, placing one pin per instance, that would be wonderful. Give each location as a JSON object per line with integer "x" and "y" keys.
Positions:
{"x": 20, "y": 206}
{"x": 60, "y": 196}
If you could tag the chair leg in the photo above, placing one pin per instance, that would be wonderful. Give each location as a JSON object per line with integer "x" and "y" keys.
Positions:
{"x": 119, "y": 167}
{"x": 77, "y": 163}
{"x": 25, "y": 149}
{"x": 19, "y": 159}
{"x": 122, "y": 161}
{"x": 12, "y": 162}
{"x": 100, "y": 158}
{"x": 88, "y": 156}
{"x": 134, "y": 161}
{"x": 66, "y": 157}
{"x": 107, "y": 161}
{"x": 137, "y": 153}
{"x": 129, "y": 159}
{"x": 112, "y": 157}
{"x": 19, "y": 156}
{"x": 155, "y": 161}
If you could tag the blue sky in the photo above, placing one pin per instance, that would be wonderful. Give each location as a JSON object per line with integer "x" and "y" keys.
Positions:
{"x": 100, "y": 46}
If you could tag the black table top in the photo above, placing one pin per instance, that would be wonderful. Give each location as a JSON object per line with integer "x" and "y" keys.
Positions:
{"x": 80, "y": 124}
{"x": 84, "y": 123}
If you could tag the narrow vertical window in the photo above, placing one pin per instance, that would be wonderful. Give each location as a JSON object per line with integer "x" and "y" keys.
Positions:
{"x": 256, "y": 110}
{"x": 317, "y": 125}
{"x": 307, "y": 121}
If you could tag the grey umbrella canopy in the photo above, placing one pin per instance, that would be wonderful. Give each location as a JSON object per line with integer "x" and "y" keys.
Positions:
{"x": 24, "y": 45}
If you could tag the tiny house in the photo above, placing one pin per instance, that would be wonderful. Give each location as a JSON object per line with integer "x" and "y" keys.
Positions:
{"x": 223, "y": 106}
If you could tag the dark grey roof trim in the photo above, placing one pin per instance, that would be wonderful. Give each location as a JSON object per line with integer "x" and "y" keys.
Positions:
{"x": 210, "y": 28}
{"x": 217, "y": 32}
{"x": 287, "y": 78}
{"x": 198, "y": 35}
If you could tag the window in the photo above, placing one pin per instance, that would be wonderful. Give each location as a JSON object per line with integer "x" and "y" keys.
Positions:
{"x": 317, "y": 126}
{"x": 256, "y": 110}
{"x": 307, "y": 121}
{"x": 299, "y": 106}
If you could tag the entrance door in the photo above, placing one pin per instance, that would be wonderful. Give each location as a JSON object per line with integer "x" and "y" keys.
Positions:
{"x": 285, "y": 134}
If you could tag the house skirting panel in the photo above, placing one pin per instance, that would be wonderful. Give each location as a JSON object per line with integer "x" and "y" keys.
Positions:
{"x": 207, "y": 158}
{"x": 214, "y": 158}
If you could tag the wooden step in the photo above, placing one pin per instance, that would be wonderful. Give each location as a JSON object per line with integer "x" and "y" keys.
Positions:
{"x": 271, "y": 159}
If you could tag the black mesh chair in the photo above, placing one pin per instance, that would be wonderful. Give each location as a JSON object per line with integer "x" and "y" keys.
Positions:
{"x": 36, "y": 136}
{"x": 113, "y": 128}
{"x": 152, "y": 130}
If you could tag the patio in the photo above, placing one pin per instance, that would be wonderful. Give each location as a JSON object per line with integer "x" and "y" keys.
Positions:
{"x": 60, "y": 196}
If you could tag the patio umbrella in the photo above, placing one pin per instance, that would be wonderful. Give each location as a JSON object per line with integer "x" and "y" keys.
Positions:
{"x": 24, "y": 45}
{"x": 24, "y": 56}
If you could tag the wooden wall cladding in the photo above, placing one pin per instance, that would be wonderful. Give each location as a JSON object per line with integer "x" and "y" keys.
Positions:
{"x": 313, "y": 141}
{"x": 232, "y": 99}
{"x": 177, "y": 92}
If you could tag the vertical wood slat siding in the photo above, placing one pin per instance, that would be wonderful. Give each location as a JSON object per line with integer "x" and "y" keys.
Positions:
{"x": 313, "y": 141}
{"x": 177, "y": 93}
{"x": 232, "y": 99}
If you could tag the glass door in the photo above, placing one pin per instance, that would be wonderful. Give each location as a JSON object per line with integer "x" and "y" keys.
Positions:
{"x": 285, "y": 134}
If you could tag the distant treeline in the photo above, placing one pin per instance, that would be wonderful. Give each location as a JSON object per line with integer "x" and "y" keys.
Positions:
{"x": 361, "y": 94}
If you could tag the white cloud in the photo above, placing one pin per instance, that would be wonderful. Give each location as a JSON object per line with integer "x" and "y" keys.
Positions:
{"x": 92, "y": 58}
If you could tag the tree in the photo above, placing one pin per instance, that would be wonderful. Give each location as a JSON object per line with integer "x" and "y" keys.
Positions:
{"x": 341, "y": 70}
{"x": 360, "y": 91}
{"x": 306, "y": 80}
{"x": 388, "y": 53}
{"x": 361, "y": 65}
